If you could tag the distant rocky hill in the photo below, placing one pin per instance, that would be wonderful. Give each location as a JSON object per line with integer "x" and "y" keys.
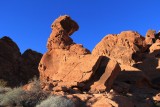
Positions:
{"x": 119, "y": 72}
{"x": 16, "y": 68}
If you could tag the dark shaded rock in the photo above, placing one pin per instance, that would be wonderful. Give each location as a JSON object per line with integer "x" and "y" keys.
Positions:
{"x": 15, "y": 68}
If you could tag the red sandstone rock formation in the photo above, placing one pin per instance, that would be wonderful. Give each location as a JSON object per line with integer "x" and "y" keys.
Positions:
{"x": 90, "y": 79}
{"x": 71, "y": 70}
{"x": 15, "y": 68}
{"x": 67, "y": 65}
{"x": 125, "y": 47}
{"x": 137, "y": 56}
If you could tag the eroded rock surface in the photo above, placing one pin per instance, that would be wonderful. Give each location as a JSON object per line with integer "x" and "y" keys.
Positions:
{"x": 125, "y": 47}
{"x": 67, "y": 65}
{"x": 127, "y": 63}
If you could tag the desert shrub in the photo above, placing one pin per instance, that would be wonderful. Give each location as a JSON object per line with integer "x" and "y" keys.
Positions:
{"x": 56, "y": 101}
{"x": 4, "y": 89}
{"x": 3, "y": 83}
{"x": 17, "y": 96}
{"x": 35, "y": 95}
{"x": 35, "y": 84}
{"x": 12, "y": 97}
{"x": 31, "y": 99}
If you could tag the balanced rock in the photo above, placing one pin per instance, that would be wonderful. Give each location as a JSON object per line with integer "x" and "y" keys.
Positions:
{"x": 62, "y": 28}
{"x": 67, "y": 65}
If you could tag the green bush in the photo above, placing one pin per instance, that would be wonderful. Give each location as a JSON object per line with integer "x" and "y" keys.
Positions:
{"x": 57, "y": 101}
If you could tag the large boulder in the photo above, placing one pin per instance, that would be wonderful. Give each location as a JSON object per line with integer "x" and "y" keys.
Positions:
{"x": 67, "y": 65}
{"x": 133, "y": 76}
{"x": 111, "y": 70}
{"x": 17, "y": 69}
{"x": 125, "y": 47}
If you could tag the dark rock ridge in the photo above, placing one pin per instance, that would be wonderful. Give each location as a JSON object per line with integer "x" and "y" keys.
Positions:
{"x": 17, "y": 68}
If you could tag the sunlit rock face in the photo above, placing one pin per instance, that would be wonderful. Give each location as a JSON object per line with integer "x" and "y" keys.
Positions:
{"x": 67, "y": 64}
{"x": 127, "y": 63}
{"x": 126, "y": 48}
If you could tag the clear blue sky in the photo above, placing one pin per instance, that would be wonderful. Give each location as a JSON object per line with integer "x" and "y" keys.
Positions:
{"x": 28, "y": 22}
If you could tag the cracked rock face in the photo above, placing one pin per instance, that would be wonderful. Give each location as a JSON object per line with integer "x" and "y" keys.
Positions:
{"x": 67, "y": 65}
